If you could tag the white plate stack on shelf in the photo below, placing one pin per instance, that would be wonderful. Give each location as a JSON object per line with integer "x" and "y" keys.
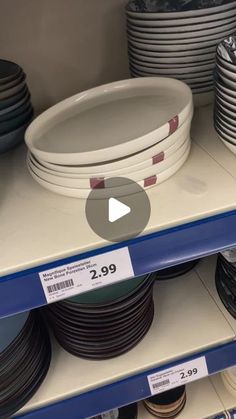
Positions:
{"x": 229, "y": 380}
{"x": 225, "y": 92}
{"x": 137, "y": 129}
{"x": 178, "y": 39}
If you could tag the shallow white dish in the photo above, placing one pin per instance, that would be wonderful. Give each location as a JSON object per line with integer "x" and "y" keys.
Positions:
{"x": 136, "y": 176}
{"x": 151, "y": 154}
{"x": 110, "y": 121}
{"x": 116, "y": 192}
{"x": 159, "y": 21}
{"x": 187, "y": 37}
{"x": 183, "y": 14}
{"x": 191, "y": 31}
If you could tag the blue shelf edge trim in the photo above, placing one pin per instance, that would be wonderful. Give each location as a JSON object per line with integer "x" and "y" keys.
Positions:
{"x": 127, "y": 391}
{"x": 23, "y": 291}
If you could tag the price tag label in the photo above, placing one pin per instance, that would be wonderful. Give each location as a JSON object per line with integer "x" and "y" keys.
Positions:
{"x": 178, "y": 375}
{"x": 87, "y": 274}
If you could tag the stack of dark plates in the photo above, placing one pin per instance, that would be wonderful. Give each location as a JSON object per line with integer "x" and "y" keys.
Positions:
{"x": 168, "y": 404}
{"x": 25, "y": 355}
{"x": 226, "y": 283}
{"x": 178, "y": 39}
{"x": 175, "y": 271}
{"x": 225, "y": 92}
{"x": 127, "y": 412}
{"x": 16, "y": 111}
{"x": 106, "y": 322}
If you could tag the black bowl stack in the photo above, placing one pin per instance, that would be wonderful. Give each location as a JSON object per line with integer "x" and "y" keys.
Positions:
{"x": 25, "y": 354}
{"x": 168, "y": 404}
{"x": 107, "y": 322}
{"x": 225, "y": 278}
{"x": 225, "y": 92}
{"x": 16, "y": 111}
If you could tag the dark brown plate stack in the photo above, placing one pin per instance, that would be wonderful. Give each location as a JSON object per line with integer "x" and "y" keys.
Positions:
{"x": 107, "y": 322}
{"x": 168, "y": 404}
{"x": 25, "y": 354}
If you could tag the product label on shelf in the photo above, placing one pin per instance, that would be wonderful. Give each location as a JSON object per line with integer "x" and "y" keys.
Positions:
{"x": 178, "y": 375}
{"x": 87, "y": 274}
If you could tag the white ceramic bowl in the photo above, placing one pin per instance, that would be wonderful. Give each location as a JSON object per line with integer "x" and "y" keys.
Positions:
{"x": 150, "y": 155}
{"x": 116, "y": 192}
{"x": 88, "y": 182}
{"x": 110, "y": 121}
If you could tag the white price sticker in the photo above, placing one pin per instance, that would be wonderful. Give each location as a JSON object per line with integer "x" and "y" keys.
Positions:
{"x": 178, "y": 375}
{"x": 87, "y": 274}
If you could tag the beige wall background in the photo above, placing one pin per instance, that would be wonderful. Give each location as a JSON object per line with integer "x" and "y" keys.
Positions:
{"x": 64, "y": 46}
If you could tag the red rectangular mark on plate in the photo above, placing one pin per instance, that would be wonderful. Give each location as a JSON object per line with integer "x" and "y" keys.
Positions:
{"x": 173, "y": 124}
{"x": 158, "y": 158}
{"x": 152, "y": 180}
{"x": 97, "y": 183}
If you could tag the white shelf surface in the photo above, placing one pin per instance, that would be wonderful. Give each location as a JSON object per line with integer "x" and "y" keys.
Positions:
{"x": 205, "y": 135}
{"x": 182, "y": 306}
{"x": 202, "y": 402}
{"x": 53, "y": 227}
{"x": 227, "y": 399}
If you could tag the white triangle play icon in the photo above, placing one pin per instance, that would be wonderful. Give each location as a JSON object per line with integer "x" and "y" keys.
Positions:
{"x": 117, "y": 210}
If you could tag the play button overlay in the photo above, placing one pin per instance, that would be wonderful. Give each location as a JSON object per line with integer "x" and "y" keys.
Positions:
{"x": 118, "y": 216}
{"x": 117, "y": 210}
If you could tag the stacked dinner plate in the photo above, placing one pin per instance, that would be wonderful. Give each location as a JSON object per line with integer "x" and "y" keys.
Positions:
{"x": 226, "y": 283}
{"x": 168, "y": 404}
{"x": 225, "y": 92}
{"x": 229, "y": 380}
{"x": 107, "y": 322}
{"x": 138, "y": 129}
{"x": 126, "y": 412}
{"x": 25, "y": 355}
{"x": 178, "y": 39}
{"x": 16, "y": 111}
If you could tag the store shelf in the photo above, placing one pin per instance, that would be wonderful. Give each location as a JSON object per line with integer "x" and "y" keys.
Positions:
{"x": 228, "y": 401}
{"x": 195, "y": 209}
{"x": 187, "y": 324}
{"x": 202, "y": 402}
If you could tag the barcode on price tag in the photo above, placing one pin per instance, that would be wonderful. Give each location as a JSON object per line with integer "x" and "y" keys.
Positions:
{"x": 87, "y": 274}
{"x": 177, "y": 375}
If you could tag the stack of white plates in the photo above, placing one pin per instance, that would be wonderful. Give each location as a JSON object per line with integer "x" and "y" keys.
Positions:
{"x": 178, "y": 39}
{"x": 229, "y": 380}
{"x": 225, "y": 92}
{"x": 137, "y": 129}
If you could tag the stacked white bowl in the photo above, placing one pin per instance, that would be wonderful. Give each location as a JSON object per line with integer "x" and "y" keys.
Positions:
{"x": 225, "y": 93}
{"x": 229, "y": 380}
{"x": 178, "y": 39}
{"x": 137, "y": 129}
